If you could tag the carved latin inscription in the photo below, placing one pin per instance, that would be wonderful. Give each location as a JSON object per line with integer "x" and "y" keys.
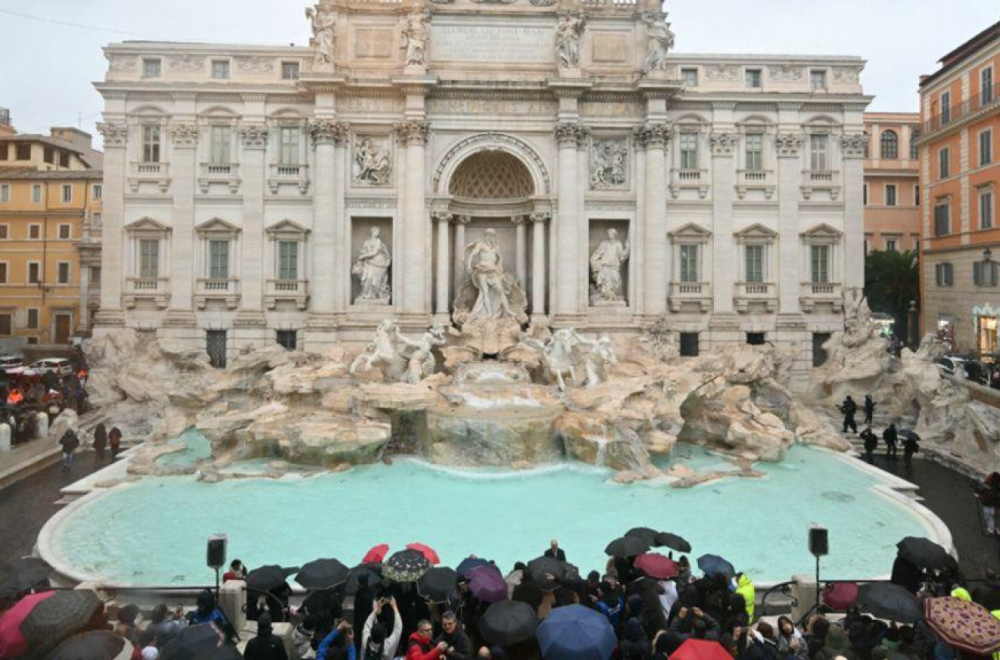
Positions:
{"x": 492, "y": 43}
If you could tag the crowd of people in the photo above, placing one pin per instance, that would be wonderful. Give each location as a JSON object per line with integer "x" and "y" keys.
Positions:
{"x": 891, "y": 435}
{"x": 26, "y": 393}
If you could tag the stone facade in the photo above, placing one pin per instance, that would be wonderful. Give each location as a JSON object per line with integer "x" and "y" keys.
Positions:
{"x": 242, "y": 182}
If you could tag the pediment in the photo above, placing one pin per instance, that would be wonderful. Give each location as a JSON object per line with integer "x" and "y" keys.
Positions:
{"x": 822, "y": 230}
{"x": 217, "y": 226}
{"x": 756, "y": 230}
{"x": 287, "y": 227}
{"x": 146, "y": 224}
{"x": 691, "y": 230}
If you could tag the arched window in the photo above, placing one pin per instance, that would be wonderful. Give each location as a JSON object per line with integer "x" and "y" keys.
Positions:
{"x": 914, "y": 149}
{"x": 890, "y": 145}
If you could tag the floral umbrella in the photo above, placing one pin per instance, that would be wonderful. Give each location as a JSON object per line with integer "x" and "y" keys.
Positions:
{"x": 405, "y": 566}
{"x": 963, "y": 625}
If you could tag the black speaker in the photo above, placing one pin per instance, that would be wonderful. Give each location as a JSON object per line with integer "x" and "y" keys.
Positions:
{"x": 819, "y": 541}
{"x": 216, "y": 555}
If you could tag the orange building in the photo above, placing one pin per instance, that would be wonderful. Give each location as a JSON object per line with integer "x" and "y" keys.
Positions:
{"x": 50, "y": 217}
{"x": 892, "y": 182}
{"x": 960, "y": 174}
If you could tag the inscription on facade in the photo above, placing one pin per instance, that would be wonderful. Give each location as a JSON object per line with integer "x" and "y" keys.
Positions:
{"x": 373, "y": 43}
{"x": 363, "y": 104}
{"x": 492, "y": 43}
{"x": 491, "y": 107}
{"x": 610, "y": 48}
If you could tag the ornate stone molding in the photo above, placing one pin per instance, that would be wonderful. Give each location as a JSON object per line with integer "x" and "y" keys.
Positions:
{"x": 123, "y": 62}
{"x": 569, "y": 134}
{"x": 724, "y": 144}
{"x": 609, "y": 160}
{"x": 184, "y": 136}
{"x": 653, "y": 135}
{"x": 254, "y": 64}
{"x": 788, "y": 144}
{"x": 540, "y": 217}
{"x": 461, "y": 219}
{"x": 853, "y": 145}
{"x": 442, "y": 216}
{"x": 413, "y": 131}
{"x": 187, "y": 63}
{"x": 254, "y": 136}
{"x": 327, "y": 131}
{"x": 115, "y": 133}
{"x": 787, "y": 73}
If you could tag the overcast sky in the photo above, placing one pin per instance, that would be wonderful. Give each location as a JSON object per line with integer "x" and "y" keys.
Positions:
{"x": 50, "y": 52}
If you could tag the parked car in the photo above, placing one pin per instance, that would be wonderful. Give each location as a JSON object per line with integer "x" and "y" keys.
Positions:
{"x": 952, "y": 366}
{"x": 59, "y": 366}
{"x": 8, "y": 362}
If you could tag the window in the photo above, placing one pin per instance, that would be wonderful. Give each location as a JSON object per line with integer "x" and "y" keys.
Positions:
{"x": 288, "y": 260}
{"x": 944, "y": 163}
{"x": 756, "y": 338}
{"x": 889, "y": 145}
{"x": 34, "y": 272}
{"x": 220, "y": 69}
{"x": 942, "y": 219}
{"x": 986, "y": 209}
{"x": 34, "y": 232}
{"x": 149, "y": 258}
{"x": 5, "y": 193}
{"x": 943, "y": 274}
{"x": 287, "y": 339}
{"x": 63, "y": 159}
{"x": 220, "y": 145}
{"x": 63, "y": 272}
{"x": 218, "y": 266}
{"x": 689, "y": 151}
{"x": 819, "y": 353}
{"x": 755, "y": 152}
{"x": 984, "y": 273}
{"x": 23, "y": 151}
{"x": 97, "y": 220}
{"x": 150, "y": 68}
{"x": 3, "y": 272}
{"x": 3, "y": 151}
{"x": 64, "y": 231}
{"x": 818, "y": 150}
{"x": 754, "y": 78}
{"x": 985, "y": 147}
{"x": 890, "y": 194}
{"x": 916, "y": 194}
{"x": 689, "y": 344}
{"x": 689, "y": 77}
{"x": 67, "y": 193}
{"x": 689, "y": 263}
{"x": 945, "y": 108}
{"x": 49, "y": 155}
{"x": 986, "y": 85}
{"x": 820, "y": 263}
{"x": 864, "y": 195}
{"x": 755, "y": 263}
{"x": 890, "y": 245}
{"x": 32, "y": 319}
{"x": 866, "y": 245}
{"x": 914, "y": 148}
{"x": 150, "y": 144}
{"x": 290, "y": 70}
{"x": 289, "y": 145}
{"x": 5, "y": 325}
{"x": 36, "y": 194}
{"x": 216, "y": 347}
{"x": 4, "y": 232}
{"x": 818, "y": 80}
{"x": 98, "y": 192}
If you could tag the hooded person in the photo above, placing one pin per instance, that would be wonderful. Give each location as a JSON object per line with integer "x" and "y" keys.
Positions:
{"x": 837, "y": 643}
{"x": 375, "y": 643}
{"x": 745, "y": 588}
{"x": 265, "y": 646}
{"x": 636, "y": 645}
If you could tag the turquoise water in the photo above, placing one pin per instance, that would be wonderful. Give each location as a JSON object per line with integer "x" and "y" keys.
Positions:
{"x": 198, "y": 448}
{"x": 154, "y": 531}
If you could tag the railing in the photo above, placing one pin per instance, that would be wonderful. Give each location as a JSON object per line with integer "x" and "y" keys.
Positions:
{"x": 822, "y": 288}
{"x": 296, "y": 291}
{"x": 221, "y": 170}
{"x": 146, "y": 283}
{"x": 288, "y": 286}
{"x": 689, "y": 175}
{"x": 754, "y": 176}
{"x": 149, "y": 172}
{"x": 820, "y": 176}
{"x": 288, "y": 171}
{"x": 752, "y": 289}
{"x": 216, "y": 285}
{"x": 989, "y": 98}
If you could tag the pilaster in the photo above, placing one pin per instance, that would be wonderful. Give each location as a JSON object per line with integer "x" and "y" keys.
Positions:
{"x": 853, "y": 147}
{"x": 788, "y": 147}
{"x": 416, "y": 239}
{"x": 113, "y": 268}
{"x": 654, "y": 136}
{"x": 184, "y": 138}
{"x": 327, "y": 292}
{"x": 254, "y": 139}
{"x": 569, "y": 138}
{"x": 724, "y": 146}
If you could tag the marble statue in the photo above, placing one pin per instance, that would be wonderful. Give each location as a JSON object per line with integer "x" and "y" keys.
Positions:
{"x": 401, "y": 359}
{"x": 597, "y": 359}
{"x": 484, "y": 265}
{"x": 568, "y": 33}
{"x": 324, "y": 39}
{"x": 660, "y": 41}
{"x": 609, "y": 166}
{"x": 371, "y": 267}
{"x": 606, "y": 270}
{"x": 415, "y": 36}
{"x": 372, "y": 162}
{"x": 421, "y": 361}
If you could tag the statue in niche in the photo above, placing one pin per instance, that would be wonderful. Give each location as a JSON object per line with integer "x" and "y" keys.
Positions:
{"x": 484, "y": 266}
{"x": 371, "y": 267}
{"x": 606, "y": 270}
{"x": 372, "y": 162}
{"x": 660, "y": 41}
{"x": 324, "y": 39}
{"x": 401, "y": 359}
{"x": 568, "y": 33}
{"x": 415, "y": 37}
{"x": 610, "y": 162}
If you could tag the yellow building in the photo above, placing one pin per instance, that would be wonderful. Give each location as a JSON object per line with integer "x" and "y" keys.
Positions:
{"x": 50, "y": 217}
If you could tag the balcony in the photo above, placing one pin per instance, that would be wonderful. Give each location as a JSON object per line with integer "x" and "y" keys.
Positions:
{"x": 296, "y": 291}
{"x": 755, "y": 294}
{"x": 821, "y": 294}
{"x": 695, "y": 179}
{"x": 156, "y": 289}
{"x": 821, "y": 180}
{"x": 687, "y": 294}
{"x": 227, "y": 174}
{"x": 281, "y": 174}
{"x": 962, "y": 113}
{"x": 155, "y": 173}
{"x": 762, "y": 180}
{"x": 224, "y": 290}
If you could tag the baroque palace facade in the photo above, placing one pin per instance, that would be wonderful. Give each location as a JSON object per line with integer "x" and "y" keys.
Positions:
{"x": 303, "y": 194}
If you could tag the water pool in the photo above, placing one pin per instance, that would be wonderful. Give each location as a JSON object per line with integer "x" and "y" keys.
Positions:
{"x": 153, "y": 532}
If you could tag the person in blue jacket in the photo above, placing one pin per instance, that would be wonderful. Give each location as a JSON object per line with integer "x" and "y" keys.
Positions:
{"x": 343, "y": 629}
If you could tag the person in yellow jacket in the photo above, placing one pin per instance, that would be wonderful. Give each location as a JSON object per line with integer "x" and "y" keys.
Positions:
{"x": 745, "y": 588}
{"x": 962, "y": 594}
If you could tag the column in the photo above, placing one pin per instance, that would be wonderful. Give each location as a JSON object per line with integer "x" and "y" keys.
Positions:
{"x": 724, "y": 260}
{"x": 254, "y": 138}
{"x": 326, "y": 290}
{"x": 521, "y": 245}
{"x": 538, "y": 220}
{"x": 568, "y": 138}
{"x": 655, "y": 275}
{"x": 443, "y": 264}
{"x": 341, "y": 223}
{"x": 83, "y": 322}
{"x": 460, "y": 222}
{"x": 113, "y": 267}
{"x": 853, "y": 145}
{"x": 183, "y": 165}
{"x": 789, "y": 281}
{"x": 413, "y": 135}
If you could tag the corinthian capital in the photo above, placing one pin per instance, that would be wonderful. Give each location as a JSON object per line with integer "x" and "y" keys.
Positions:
{"x": 723, "y": 144}
{"x": 184, "y": 135}
{"x": 254, "y": 136}
{"x": 569, "y": 134}
{"x": 540, "y": 217}
{"x": 327, "y": 131}
{"x": 853, "y": 145}
{"x": 788, "y": 144}
{"x": 413, "y": 131}
{"x": 115, "y": 133}
{"x": 652, "y": 134}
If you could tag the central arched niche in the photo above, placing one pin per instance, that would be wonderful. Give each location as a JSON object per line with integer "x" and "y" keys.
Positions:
{"x": 491, "y": 175}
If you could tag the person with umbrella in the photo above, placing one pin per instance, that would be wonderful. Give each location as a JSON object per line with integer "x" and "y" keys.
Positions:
{"x": 891, "y": 436}
{"x": 911, "y": 445}
{"x": 871, "y": 444}
{"x": 463, "y": 602}
{"x": 375, "y": 644}
{"x": 869, "y": 409}
{"x": 420, "y": 645}
{"x": 265, "y": 646}
{"x": 457, "y": 641}
{"x": 849, "y": 408}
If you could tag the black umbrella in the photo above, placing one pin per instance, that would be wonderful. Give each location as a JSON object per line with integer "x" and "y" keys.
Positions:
{"x": 268, "y": 578}
{"x": 508, "y": 622}
{"x": 24, "y": 574}
{"x": 672, "y": 541}
{"x": 924, "y": 553}
{"x": 714, "y": 564}
{"x": 322, "y": 574}
{"x": 647, "y": 534}
{"x": 541, "y": 568}
{"x": 93, "y": 645}
{"x": 909, "y": 433}
{"x": 889, "y": 601}
{"x": 362, "y": 573}
{"x": 405, "y": 566}
{"x": 470, "y": 563}
{"x": 627, "y": 546}
{"x": 437, "y": 584}
{"x": 59, "y": 616}
{"x": 200, "y": 642}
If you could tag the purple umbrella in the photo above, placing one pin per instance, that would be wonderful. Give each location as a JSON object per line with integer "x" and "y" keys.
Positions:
{"x": 487, "y": 584}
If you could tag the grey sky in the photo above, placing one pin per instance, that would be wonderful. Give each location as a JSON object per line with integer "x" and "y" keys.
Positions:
{"x": 46, "y": 68}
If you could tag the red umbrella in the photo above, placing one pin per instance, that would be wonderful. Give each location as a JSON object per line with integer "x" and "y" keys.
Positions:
{"x": 838, "y": 597}
{"x": 699, "y": 649}
{"x": 657, "y": 566}
{"x": 12, "y": 642}
{"x": 426, "y": 551}
{"x": 377, "y": 554}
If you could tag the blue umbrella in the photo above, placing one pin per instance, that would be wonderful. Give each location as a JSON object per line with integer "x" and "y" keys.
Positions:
{"x": 712, "y": 564}
{"x": 575, "y": 632}
{"x": 470, "y": 563}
